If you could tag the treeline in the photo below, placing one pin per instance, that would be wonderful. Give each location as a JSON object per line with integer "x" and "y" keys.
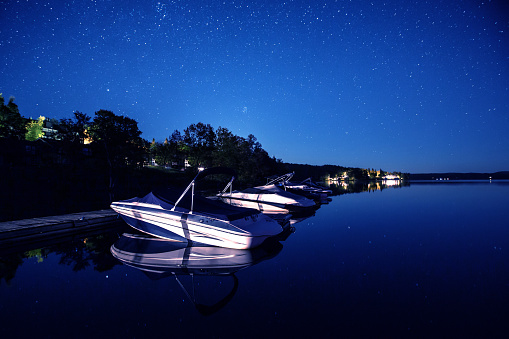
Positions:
{"x": 116, "y": 140}
{"x": 115, "y": 143}
{"x": 325, "y": 172}
{"x": 199, "y": 145}
{"x": 118, "y": 136}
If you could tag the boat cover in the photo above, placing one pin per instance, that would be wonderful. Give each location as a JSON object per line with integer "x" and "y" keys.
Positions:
{"x": 271, "y": 189}
{"x": 166, "y": 198}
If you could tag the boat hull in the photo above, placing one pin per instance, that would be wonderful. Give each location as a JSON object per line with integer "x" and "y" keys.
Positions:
{"x": 307, "y": 192}
{"x": 244, "y": 233}
{"x": 269, "y": 199}
{"x": 251, "y": 202}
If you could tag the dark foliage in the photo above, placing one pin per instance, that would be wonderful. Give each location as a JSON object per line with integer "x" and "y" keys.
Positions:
{"x": 204, "y": 147}
{"x": 12, "y": 124}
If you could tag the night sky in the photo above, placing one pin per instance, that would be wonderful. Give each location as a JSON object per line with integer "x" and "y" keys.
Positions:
{"x": 411, "y": 86}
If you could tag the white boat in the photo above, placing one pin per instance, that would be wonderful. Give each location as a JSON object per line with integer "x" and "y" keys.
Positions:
{"x": 269, "y": 199}
{"x": 306, "y": 187}
{"x": 166, "y": 212}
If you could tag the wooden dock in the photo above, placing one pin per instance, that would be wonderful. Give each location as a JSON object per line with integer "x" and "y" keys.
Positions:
{"x": 12, "y": 232}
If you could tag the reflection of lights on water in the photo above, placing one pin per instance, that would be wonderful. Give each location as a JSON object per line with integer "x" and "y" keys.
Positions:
{"x": 391, "y": 182}
{"x": 374, "y": 186}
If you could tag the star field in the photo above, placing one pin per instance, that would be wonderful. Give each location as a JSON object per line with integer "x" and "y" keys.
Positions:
{"x": 411, "y": 86}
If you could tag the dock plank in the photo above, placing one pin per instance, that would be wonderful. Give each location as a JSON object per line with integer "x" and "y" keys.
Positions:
{"x": 10, "y": 231}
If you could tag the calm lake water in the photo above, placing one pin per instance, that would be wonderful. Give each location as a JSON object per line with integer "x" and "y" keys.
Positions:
{"x": 425, "y": 260}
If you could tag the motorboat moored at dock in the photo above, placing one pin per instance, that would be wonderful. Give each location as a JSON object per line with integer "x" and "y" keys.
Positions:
{"x": 167, "y": 212}
{"x": 269, "y": 199}
{"x": 306, "y": 187}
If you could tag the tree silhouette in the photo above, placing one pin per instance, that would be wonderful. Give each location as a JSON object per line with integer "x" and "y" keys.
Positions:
{"x": 12, "y": 124}
{"x": 200, "y": 140}
{"x": 74, "y": 130}
{"x": 119, "y": 137}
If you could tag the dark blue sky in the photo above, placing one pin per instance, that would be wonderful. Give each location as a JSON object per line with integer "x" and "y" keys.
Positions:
{"x": 412, "y": 86}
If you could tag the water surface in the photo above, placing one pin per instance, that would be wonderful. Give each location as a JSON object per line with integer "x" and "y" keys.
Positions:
{"x": 429, "y": 259}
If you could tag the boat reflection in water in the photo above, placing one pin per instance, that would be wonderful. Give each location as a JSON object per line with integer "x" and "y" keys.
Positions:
{"x": 160, "y": 258}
